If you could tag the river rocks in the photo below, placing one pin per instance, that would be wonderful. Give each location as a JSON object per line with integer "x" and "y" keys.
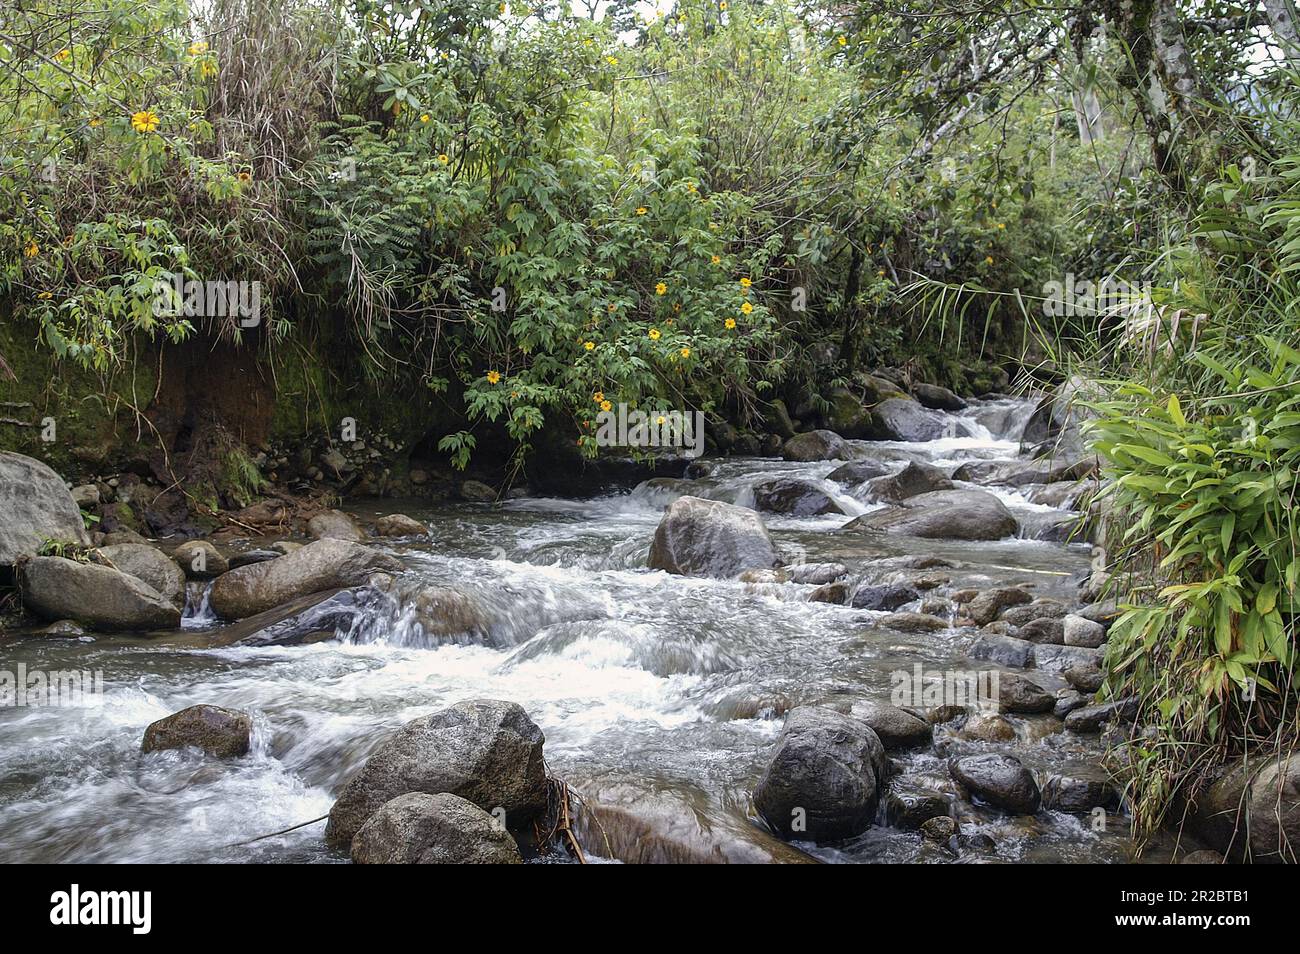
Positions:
{"x": 1021, "y": 695}
{"x": 778, "y": 418}
{"x": 400, "y": 525}
{"x": 699, "y": 537}
{"x": 857, "y": 472}
{"x": 149, "y": 565}
{"x": 790, "y": 495}
{"x": 99, "y": 597}
{"x": 65, "y": 628}
{"x": 334, "y": 525}
{"x": 1043, "y": 630}
{"x": 999, "y": 780}
{"x": 816, "y": 445}
{"x": 1093, "y": 718}
{"x": 1104, "y": 613}
{"x": 987, "y": 727}
{"x": 817, "y": 573}
{"x": 442, "y": 829}
{"x": 937, "y": 398}
{"x": 914, "y": 622}
{"x": 985, "y": 607}
{"x": 485, "y": 751}
{"x": 896, "y": 728}
{"x": 1079, "y": 795}
{"x": 249, "y": 557}
{"x": 1251, "y": 809}
{"x": 901, "y": 419}
{"x": 1085, "y": 677}
{"x": 1003, "y": 650}
{"x": 824, "y": 778}
{"x": 1067, "y": 700}
{"x": 940, "y": 829}
{"x": 912, "y": 809}
{"x": 849, "y": 417}
{"x": 912, "y": 480}
{"x": 223, "y": 733}
{"x": 944, "y": 514}
{"x": 200, "y": 560}
{"x": 322, "y": 565}
{"x": 306, "y": 619}
{"x": 476, "y": 491}
{"x": 86, "y": 495}
{"x": 1203, "y": 856}
{"x": 1028, "y": 612}
{"x": 830, "y": 593}
{"x": 36, "y": 507}
{"x": 1078, "y": 631}
{"x": 888, "y": 597}
{"x": 1055, "y": 658}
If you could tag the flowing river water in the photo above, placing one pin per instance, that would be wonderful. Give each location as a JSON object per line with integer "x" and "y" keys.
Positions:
{"x": 659, "y": 693}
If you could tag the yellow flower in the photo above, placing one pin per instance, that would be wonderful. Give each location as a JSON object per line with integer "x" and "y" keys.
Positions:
{"x": 45, "y": 296}
{"x": 641, "y": 210}
{"x": 493, "y": 377}
{"x": 598, "y": 397}
{"x": 245, "y": 177}
{"x": 208, "y": 70}
{"x": 612, "y": 307}
{"x": 995, "y": 203}
{"x": 842, "y": 40}
{"x": 713, "y": 226}
{"x": 654, "y": 334}
{"x": 444, "y": 158}
{"x": 722, "y": 5}
{"x": 691, "y": 187}
{"x": 445, "y": 55}
{"x": 677, "y": 306}
{"x": 988, "y": 260}
{"x": 685, "y": 352}
{"x": 660, "y": 288}
{"x": 745, "y": 283}
{"x": 880, "y": 273}
{"x": 62, "y": 55}
{"x": 198, "y": 48}
{"x": 716, "y": 259}
{"x": 144, "y": 121}
{"x": 424, "y": 117}
{"x": 612, "y": 60}
{"x": 31, "y": 249}
{"x": 1002, "y": 225}
{"x": 589, "y": 345}
{"x": 96, "y": 122}
{"x": 605, "y": 405}
{"x": 746, "y": 308}
{"x": 730, "y": 323}
{"x": 501, "y": 8}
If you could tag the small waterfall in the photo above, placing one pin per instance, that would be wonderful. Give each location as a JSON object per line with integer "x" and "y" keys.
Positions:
{"x": 198, "y": 611}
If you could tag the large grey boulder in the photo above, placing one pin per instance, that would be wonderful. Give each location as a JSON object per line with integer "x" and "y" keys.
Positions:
{"x": 1251, "y": 809}
{"x": 200, "y": 560}
{"x": 858, "y": 471}
{"x": 999, "y": 780}
{"x": 825, "y": 776}
{"x": 443, "y": 829}
{"x": 486, "y": 751}
{"x": 943, "y": 515}
{"x": 35, "y": 506}
{"x": 896, "y": 728}
{"x": 225, "y": 733}
{"x": 699, "y": 537}
{"x": 322, "y": 565}
{"x": 913, "y": 479}
{"x": 937, "y": 398}
{"x": 99, "y": 597}
{"x": 902, "y": 419}
{"x": 150, "y": 565}
{"x": 790, "y": 495}
{"x": 817, "y": 445}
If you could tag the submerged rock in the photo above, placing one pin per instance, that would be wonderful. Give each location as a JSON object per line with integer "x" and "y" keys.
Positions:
{"x": 442, "y": 829}
{"x": 699, "y": 537}
{"x": 483, "y": 750}
{"x": 323, "y": 565}
{"x": 96, "y": 596}
{"x": 889, "y": 597}
{"x": 824, "y": 778}
{"x": 944, "y": 514}
{"x": 857, "y": 472}
{"x": 36, "y": 507}
{"x": 224, "y": 733}
{"x": 999, "y": 780}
